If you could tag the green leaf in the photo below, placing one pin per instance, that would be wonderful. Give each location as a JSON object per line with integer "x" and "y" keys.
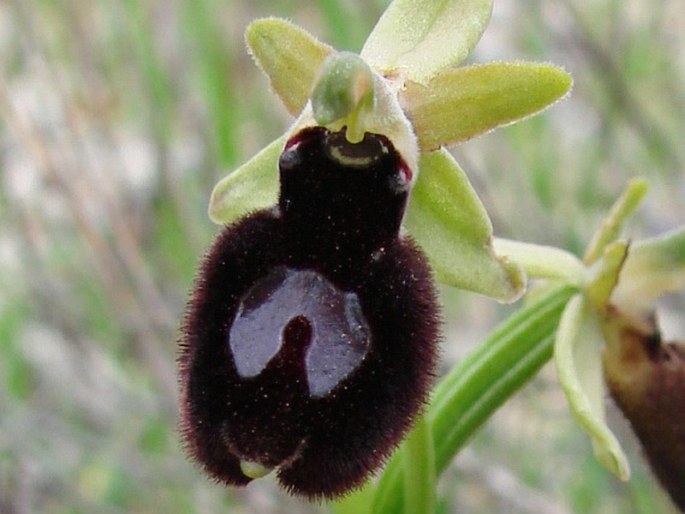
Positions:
{"x": 447, "y": 219}
{"x": 252, "y": 186}
{"x": 461, "y": 103}
{"x": 419, "y": 469}
{"x": 653, "y": 267}
{"x": 289, "y": 56}
{"x": 419, "y": 38}
{"x": 474, "y": 389}
{"x": 577, "y": 355}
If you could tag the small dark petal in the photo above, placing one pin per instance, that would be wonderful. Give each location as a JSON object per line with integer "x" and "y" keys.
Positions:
{"x": 646, "y": 378}
{"x": 309, "y": 343}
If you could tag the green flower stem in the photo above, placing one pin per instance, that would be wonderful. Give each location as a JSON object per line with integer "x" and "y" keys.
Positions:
{"x": 480, "y": 384}
{"x": 419, "y": 469}
{"x": 540, "y": 261}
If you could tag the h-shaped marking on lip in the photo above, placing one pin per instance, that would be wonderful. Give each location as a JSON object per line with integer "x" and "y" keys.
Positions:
{"x": 339, "y": 336}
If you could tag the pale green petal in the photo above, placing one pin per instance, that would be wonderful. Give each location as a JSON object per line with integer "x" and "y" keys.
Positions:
{"x": 461, "y": 103}
{"x": 252, "y": 186}
{"x": 604, "y": 274}
{"x": 577, "y": 355}
{"x": 419, "y": 38}
{"x": 289, "y": 56}
{"x": 611, "y": 226}
{"x": 540, "y": 261}
{"x": 653, "y": 267}
{"x": 447, "y": 219}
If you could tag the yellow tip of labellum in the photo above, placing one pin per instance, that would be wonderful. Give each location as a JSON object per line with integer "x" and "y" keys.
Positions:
{"x": 253, "y": 469}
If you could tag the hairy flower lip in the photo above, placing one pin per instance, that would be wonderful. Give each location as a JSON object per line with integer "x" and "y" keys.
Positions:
{"x": 238, "y": 426}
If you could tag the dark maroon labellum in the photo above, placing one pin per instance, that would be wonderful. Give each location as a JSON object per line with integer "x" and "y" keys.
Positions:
{"x": 309, "y": 342}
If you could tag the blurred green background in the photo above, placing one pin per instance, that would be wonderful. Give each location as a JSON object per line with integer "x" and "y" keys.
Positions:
{"x": 117, "y": 118}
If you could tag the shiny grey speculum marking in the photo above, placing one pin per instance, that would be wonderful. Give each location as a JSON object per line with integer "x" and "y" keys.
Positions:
{"x": 338, "y": 339}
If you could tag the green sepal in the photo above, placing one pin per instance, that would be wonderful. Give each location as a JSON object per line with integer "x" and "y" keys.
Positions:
{"x": 461, "y": 103}
{"x": 419, "y": 38}
{"x": 577, "y": 356}
{"x": 289, "y": 56}
{"x": 252, "y": 186}
{"x": 448, "y": 220}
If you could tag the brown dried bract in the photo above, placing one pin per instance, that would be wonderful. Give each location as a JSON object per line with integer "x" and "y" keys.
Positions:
{"x": 646, "y": 378}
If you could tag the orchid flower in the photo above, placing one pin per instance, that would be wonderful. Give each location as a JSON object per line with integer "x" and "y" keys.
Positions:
{"x": 406, "y": 85}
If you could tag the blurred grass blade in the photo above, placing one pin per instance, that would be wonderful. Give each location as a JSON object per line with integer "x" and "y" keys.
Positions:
{"x": 475, "y": 388}
{"x": 577, "y": 355}
{"x": 419, "y": 38}
{"x": 357, "y": 502}
{"x": 254, "y": 185}
{"x": 217, "y": 59}
{"x": 447, "y": 219}
{"x": 459, "y": 104}
{"x": 289, "y": 56}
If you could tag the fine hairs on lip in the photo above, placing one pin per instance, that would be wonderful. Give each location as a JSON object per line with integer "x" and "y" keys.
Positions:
{"x": 310, "y": 338}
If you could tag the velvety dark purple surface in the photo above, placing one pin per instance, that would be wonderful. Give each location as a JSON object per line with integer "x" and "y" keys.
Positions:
{"x": 324, "y": 414}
